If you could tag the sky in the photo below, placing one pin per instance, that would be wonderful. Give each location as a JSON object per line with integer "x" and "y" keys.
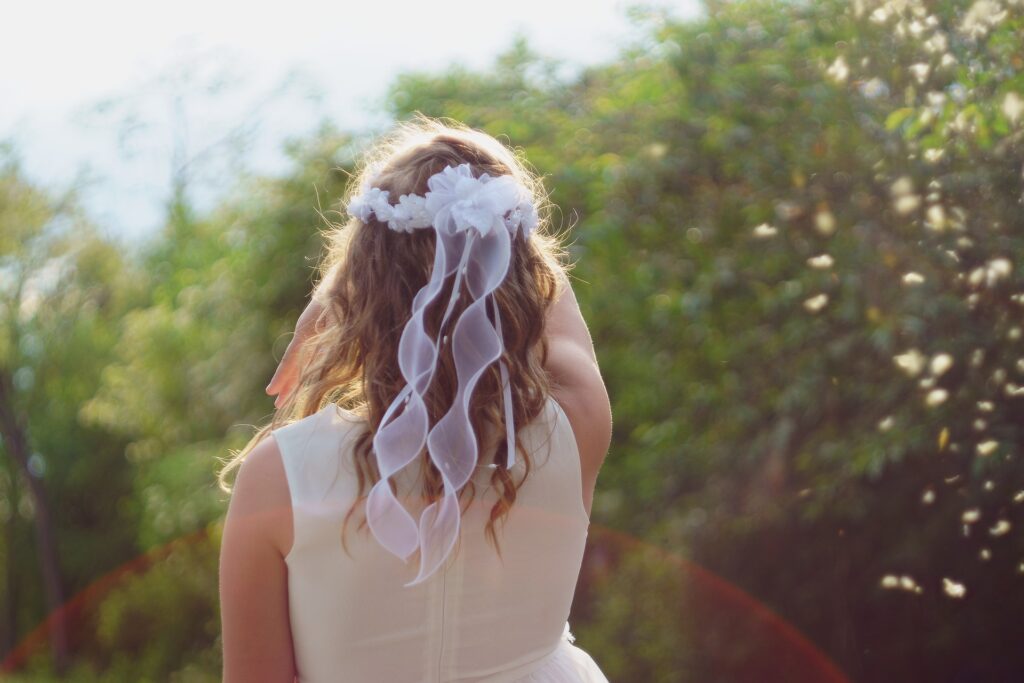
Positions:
{"x": 107, "y": 95}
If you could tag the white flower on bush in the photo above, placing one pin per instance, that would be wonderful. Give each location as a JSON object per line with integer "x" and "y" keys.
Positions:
{"x": 1013, "y": 106}
{"x": 952, "y": 588}
{"x": 940, "y": 363}
{"x": 816, "y": 303}
{"x": 911, "y": 362}
{"x": 982, "y": 16}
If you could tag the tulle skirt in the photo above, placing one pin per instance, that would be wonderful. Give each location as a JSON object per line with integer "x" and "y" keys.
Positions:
{"x": 566, "y": 664}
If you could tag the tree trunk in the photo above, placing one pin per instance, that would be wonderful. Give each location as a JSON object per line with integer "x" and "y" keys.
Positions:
{"x": 15, "y": 444}
{"x": 10, "y": 607}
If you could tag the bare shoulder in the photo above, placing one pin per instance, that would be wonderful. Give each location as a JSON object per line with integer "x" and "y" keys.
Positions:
{"x": 260, "y": 496}
{"x": 253, "y": 574}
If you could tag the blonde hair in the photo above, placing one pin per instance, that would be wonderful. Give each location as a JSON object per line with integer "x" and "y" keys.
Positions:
{"x": 367, "y": 282}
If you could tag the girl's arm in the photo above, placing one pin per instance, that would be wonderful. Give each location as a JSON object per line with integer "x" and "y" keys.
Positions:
{"x": 578, "y": 385}
{"x": 255, "y": 622}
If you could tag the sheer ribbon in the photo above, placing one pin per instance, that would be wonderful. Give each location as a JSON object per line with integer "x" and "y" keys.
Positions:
{"x": 474, "y": 220}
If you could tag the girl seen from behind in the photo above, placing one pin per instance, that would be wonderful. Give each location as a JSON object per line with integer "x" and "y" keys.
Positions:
{"x": 418, "y": 506}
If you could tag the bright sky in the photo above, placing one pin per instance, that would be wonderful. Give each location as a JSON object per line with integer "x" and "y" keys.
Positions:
{"x": 63, "y": 58}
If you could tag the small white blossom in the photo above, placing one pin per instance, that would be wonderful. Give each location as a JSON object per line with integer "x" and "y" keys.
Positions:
{"x": 982, "y": 16}
{"x": 825, "y": 222}
{"x": 901, "y": 186}
{"x": 873, "y": 88}
{"x": 997, "y": 269}
{"x": 911, "y": 362}
{"x": 820, "y": 262}
{"x": 913, "y": 278}
{"x": 907, "y": 204}
{"x": 1013, "y": 107}
{"x": 940, "y": 363}
{"x": 920, "y": 71}
{"x": 816, "y": 303}
{"x": 936, "y": 218}
{"x": 987, "y": 447}
{"x": 839, "y": 70}
{"x": 1001, "y": 528}
{"x": 937, "y": 43}
{"x": 953, "y": 589}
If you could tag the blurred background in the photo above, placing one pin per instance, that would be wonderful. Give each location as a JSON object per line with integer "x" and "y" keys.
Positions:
{"x": 798, "y": 228}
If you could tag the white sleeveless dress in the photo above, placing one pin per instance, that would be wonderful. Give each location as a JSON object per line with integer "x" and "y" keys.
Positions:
{"x": 480, "y": 618}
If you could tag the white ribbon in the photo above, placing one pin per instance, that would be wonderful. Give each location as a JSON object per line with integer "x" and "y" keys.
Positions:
{"x": 474, "y": 220}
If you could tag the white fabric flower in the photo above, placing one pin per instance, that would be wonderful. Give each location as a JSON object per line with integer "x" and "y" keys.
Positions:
{"x": 378, "y": 200}
{"x": 371, "y": 202}
{"x": 458, "y": 199}
{"x": 529, "y": 218}
{"x": 410, "y": 213}
{"x": 359, "y": 208}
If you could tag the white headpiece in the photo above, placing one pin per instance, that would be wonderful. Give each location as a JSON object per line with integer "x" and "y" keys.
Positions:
{"x": 475, "y": 220}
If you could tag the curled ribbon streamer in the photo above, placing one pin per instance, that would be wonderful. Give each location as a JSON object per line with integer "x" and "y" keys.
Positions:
{"x": 398, "y": 442}
{"x": 452, "y": 442}
{"x": 510, "y": 434}
{"x": 474, "y": 220}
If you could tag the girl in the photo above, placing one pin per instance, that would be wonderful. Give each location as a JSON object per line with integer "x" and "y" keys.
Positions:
{"x": 441, "y": 390}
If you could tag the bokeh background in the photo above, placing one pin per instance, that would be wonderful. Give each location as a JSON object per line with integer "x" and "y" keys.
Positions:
{"x": 798, "y": 229}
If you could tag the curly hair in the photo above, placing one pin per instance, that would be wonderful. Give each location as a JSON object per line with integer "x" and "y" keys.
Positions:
{"x": 366, "y": 285}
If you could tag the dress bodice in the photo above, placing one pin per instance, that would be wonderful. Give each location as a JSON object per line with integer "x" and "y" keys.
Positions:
{"x": 481, "y": 617}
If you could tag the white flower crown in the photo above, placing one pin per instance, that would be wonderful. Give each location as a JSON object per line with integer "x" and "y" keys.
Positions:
{"x": 456, "y": 201}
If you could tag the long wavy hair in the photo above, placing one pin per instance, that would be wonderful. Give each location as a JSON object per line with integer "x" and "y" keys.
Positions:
{"x": 367, "y": 282}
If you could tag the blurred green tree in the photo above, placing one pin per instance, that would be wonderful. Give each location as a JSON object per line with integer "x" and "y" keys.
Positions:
{"x": 62, "y": 292}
